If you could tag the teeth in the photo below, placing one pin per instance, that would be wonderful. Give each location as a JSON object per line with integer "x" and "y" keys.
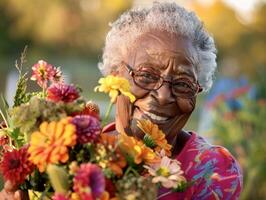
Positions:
{"x": 155, "y": 117}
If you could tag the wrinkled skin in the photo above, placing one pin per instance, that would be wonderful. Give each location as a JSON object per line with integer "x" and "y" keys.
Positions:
{"x": 172, "y": 57}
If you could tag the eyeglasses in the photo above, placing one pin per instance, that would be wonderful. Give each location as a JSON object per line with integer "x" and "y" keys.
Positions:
{"x": 148, "y": 80}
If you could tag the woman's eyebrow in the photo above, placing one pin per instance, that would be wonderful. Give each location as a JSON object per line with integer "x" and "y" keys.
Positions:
{"x": 152, "y": 65}
{"x": 182, "y": 72}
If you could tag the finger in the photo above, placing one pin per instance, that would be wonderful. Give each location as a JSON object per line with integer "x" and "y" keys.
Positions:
{"x": 6, "y": 195}
{"x": 17, "y": 195}
{"x": 21, "y": 195}
{"x": 9, "y": 187}
{"x": 123, "y": 113}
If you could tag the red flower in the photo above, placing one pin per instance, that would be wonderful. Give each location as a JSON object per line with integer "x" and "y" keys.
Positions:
{"x": 92, "y": 109}
{"x": 62, "y": 92}
{"x": 15, "y": 165}
{"x": 110, "y": 187}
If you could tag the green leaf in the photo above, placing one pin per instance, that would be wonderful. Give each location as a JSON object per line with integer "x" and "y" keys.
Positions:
{"x": 182, "y": 186}
{"x": 5, "y": 103}
{"x": 58, "y": 177}
{"x": 21, "y": 94}
{"x": 17, "y": 137}
{"x": 148, "y": 141}
{"x": 1, "y": 182}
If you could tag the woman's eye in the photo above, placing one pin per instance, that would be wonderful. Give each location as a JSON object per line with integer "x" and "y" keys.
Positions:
{"x": 182, "y": 86}
{"x": 149, "y": 76}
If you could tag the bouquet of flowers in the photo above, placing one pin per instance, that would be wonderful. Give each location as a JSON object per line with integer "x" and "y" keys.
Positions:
{"x": 53, "y": 147}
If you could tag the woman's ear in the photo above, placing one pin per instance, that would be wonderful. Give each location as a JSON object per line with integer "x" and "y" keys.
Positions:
{"x": 114, "y": 73}
{"x": 117, "y": 70}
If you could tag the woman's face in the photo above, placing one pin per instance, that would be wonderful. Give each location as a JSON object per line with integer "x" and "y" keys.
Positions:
{"x": 173, "y": 58}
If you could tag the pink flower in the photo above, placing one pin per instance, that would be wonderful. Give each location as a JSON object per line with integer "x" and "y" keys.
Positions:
{"x": 15, "y": 165}
{"x": 59, "y": 196}
{"x": 89, "y": 181}
{"x": 62, "y": 92}
{"x": 167, "y": 172}
{"x": 88, "y": 128}
{"x": 42, "y": 72}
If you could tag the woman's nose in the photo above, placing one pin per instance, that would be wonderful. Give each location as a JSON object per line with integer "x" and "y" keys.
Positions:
{"x": 164, "y": 94}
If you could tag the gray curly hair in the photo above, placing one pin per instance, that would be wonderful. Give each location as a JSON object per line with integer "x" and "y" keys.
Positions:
{"x": 165, "y": 17}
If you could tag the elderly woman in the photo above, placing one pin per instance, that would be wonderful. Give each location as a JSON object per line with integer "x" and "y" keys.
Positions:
{"x": 169, "y": 58}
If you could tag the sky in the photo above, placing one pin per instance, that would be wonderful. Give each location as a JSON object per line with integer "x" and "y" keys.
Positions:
{"x": 242, "y": 6}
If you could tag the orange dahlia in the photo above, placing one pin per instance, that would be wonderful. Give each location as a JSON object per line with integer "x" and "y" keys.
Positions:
{"x": 50, "y": 144}
{"x": 155, "y": 135}
{"x": 137, "y": 150}
{"x": 116, "y": 160}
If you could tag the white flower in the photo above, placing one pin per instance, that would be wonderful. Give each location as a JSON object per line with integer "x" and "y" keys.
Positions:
{"x": 167, "y": 172}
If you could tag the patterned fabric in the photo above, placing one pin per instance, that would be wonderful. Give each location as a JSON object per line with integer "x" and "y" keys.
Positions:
{"x": 212, "y": 169}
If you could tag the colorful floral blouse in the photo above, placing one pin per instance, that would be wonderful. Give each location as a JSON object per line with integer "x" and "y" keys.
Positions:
{"x": 214, "y": 172}
{"x": 212, "y": 169}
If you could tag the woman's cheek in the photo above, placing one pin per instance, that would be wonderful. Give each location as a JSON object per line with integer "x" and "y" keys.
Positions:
{"x": 186, "y": 105}
{"x": 138, "y": 92}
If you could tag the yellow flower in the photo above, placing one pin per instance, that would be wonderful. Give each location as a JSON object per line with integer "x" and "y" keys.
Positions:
{"x": 74, "y": 196}
{"x": 50, "y": 144}
{"x": 156, "y": 135}
{"x": 137, "y": 149}
{"x": 115, "y": 85}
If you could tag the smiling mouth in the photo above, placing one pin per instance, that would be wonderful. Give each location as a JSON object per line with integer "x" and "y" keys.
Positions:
{"x": 158, "y": 119}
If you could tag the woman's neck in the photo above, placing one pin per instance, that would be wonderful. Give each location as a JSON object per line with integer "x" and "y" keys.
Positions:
{"x": 178, "y": 141}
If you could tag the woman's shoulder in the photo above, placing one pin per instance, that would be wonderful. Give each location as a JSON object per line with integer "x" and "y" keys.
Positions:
{"x": 203, "y": 150}
{"x": 206, "y": 156}
{"x": 212, "y": 168}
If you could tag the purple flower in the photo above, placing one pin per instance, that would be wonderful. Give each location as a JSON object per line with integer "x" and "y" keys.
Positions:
{"x": 89, "y": 181}
{"x": 62, "y": 92}
{"x": 88, "y": 128}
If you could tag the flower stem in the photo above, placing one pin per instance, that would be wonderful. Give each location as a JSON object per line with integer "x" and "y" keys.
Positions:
{"x": 164, "y": 194}
{"x": 3, "y": 116}
{"x": 43, "y": 92}
{"x": 107, "y": 114}
{"x": 130, "y": 169}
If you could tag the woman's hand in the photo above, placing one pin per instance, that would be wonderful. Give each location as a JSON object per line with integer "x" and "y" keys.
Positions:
{"x": 123, "y": 114}
{"x": 10, "y": 192}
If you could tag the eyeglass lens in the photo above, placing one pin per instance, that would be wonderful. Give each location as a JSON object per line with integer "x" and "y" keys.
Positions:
{"x": 151, "y": 81}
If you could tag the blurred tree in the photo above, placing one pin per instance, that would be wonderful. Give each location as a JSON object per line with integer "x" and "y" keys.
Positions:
{"x": 77, "y": 25}
{"x": 245, "y": 42}
{"x": 243, "y": 132}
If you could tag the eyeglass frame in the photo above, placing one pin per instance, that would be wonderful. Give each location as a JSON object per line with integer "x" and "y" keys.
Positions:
{"x": 131, "y": 73}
